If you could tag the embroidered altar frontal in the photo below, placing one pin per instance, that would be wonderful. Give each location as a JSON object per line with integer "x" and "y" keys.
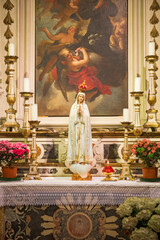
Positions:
{"x": 61, "y": 209}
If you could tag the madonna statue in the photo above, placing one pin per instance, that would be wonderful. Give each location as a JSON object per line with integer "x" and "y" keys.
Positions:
{"x": 80, "y": 155}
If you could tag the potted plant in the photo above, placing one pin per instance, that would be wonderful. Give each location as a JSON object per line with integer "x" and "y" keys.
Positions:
{"x": 12, "y": 153}
{"x": 141, "y": 218}
{"x": 149, "y": 153}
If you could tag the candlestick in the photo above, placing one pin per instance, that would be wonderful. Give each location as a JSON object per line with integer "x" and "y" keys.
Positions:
{"x": 125, "y": 114}
{"x": 125, "y": 174}
{"x": 11, "y": 124}
{"x": 11, "y": 49}
{"x": 137, "y": 84}
{"x": 151, "y": 122}
{"x": 33, "y": 165}
{"x": 26, "y": 127}
{"x": 138, "y": 130}
{"x": 34, "y": 112}
{"x": 26, "y": 85}
{"x": 151, "y": 48}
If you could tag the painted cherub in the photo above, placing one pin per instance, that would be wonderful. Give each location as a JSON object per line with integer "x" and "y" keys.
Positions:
{"x": 119, "y": 35}
{"x": 51, "y": 50}
{"x": 66, "y": 12}
{"x": 77, "y": 71}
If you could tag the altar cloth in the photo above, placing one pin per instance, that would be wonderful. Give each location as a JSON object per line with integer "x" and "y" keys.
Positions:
{"x": 64, "y": 191}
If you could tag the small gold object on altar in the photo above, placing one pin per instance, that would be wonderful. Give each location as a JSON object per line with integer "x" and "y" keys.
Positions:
{"x": 77, "y": 177}
{"x": 108, "y": 171}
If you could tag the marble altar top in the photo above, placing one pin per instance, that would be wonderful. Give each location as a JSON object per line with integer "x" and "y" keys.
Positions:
{"x": 62, "y": 191}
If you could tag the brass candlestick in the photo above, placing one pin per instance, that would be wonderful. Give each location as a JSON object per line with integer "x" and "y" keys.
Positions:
{"x": 126, "y": 174}
{"x": 137, "y": 124}
{"x": 11, "y": 124}
{"x": 26, "y": 126}
{"x": 33, "y": 171}
{"x": 151, "y": 112}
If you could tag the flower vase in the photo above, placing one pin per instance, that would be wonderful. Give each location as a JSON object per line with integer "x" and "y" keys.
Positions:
{"x": 9, "y": 172}
{"x": 149, "y": 172}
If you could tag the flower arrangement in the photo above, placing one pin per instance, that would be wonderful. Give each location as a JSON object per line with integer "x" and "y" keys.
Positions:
{"x": 148, "y": 151}
{"x": 12, "y": 152}
{"x": 141, "y": 217}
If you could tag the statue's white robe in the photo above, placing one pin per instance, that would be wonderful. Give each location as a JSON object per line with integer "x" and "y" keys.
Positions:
{"x": 79, "y": 136}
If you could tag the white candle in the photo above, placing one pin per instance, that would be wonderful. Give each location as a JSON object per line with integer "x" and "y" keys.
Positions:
{"x": 151, "y": 48}
{"x": 125, "y": 114}
{"x": 107, "y": 162}
{"x": 26, "y": 85}
{"x": 11, "y": 49}
{"x": 34, "y": 112}
{"x": 137, "y": 84}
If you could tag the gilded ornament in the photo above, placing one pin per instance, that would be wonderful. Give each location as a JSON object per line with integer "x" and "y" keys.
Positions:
{"x": 154, "y": 19}
{"x": 156, "y": 45}
{"x": 155, "y": 6}
{"x": 8, "y": 5}
{"x": 8, "y": 19}
{"x": 155, "y": 67}
{"x": 155, "y": 78}
{"x": 154, "y": 33}
{"x": 8, "y": 34}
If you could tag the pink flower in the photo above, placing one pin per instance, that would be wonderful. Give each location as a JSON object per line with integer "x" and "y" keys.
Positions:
{"x": 11, "y": 151}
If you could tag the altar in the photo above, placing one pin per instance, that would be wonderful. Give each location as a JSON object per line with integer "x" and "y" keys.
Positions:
{"x": 51, "y": 208}
{"x": 117, "y": 44}
{"x": 64, "y": 191}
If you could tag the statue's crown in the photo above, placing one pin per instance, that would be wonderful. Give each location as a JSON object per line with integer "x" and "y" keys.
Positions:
{"x": 83, "y": 87}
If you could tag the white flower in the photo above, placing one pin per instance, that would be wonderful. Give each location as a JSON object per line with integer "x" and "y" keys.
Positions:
{"x": 132, "y": 201}
{"x": 144, "y": 215}
{"x": 143, "y": 234}
{"x": 157, "y": 209}
{"x": 129, "y": 223}
{"x": 124, "y": 210}
{"x": 154, "y": 223}
{"x": 146, "y": 203}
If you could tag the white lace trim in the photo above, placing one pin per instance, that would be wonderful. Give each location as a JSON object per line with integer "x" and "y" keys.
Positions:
{"x": 62, "y": 191}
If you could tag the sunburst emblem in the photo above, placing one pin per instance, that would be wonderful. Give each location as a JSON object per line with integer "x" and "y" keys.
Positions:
{"x": 71, "y": 222}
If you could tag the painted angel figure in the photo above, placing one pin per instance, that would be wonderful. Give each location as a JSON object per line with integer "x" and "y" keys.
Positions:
{"x": 80, "y": 154}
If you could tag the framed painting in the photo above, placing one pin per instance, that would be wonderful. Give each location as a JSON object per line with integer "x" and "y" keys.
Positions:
{"x": 92, "y": 34}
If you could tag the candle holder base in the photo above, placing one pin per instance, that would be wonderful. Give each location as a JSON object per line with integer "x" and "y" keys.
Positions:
{"x": 33, "y": 173}
{"x": 108, "y": 177}
{"x": 77, "y": 177}
{"x": 125, "y": 174}
{"x": 137, "y": 131}
{"x": 11, "y": 125}
{"x": 26, "y": 131}
{"x": 151, "y": 125}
